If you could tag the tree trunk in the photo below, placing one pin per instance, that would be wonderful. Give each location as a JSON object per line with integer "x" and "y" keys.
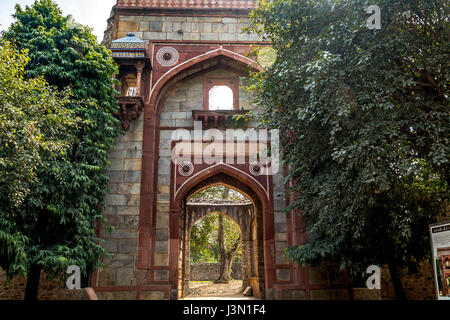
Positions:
{"x": 31, "y": 291}
{"x": 226, "y": 257}
{"x": 397, "y": 282}
{"x": 222, "y": 253}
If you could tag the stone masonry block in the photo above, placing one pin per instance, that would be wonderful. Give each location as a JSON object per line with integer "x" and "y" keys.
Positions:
{"x": 281, "y": 245}
{"x": 155, "y": 36}
{"x": 184, "y": 123}
{"x": 161, "y": 259}
{"x": 156, "y": 26}
{"x": 152, "y": 295}
{"x": 112, "y": 187}
{"x": 209, "y": 36}
{"x": 121, "y": 295}
{"x": 116, "y": 164}
{"x": 280, "y": 217}
{"x": 211, "y": 19}
{"x": 132, "y": 176}
{"x": 191, "y": 36}
{"x": 120, "y": 260}
{"x": 165, "y": 135}
{"x": 117, "y": 154}
{"x": 331, "y": 294}
{"x": 107, "y": 277}
{"x": 161, "y": 275}
{"x": 281, "y": 237}
{"x": 128, "y": 211}
{"x": 164, "y": 189}
{"x": 174, "y": 36}
{"x": 165, "y": 152}
{"x": 110, "y": 245}
{"x": 189, "y": 106}
{"x": 116, "y": 200}
{"x": 176, "y": 19}
{"x": 163, "y": 208}
{"x": 227, "y": 36}
{"x": 280, "y": 227}
{"x": 167, "y": 26}
{"x": 217, "y": 27}
{"x": 206, "y": 27}
{"x": 123, "y": 234}
{"x": 171, "y": 107}
{"x": 181, "y": 115}
{"x": 164, "y": 166}
{"x": 162, "y": 235}
{"x": 133, "y": 164}
{"x": 125, "y": 277}
{"x": 131, "y": 222}
{"x": 144, "y": 26}
{"x": 116, "y": 176}
{"x": 229, "y": 20}
{"x": 280, "y": 258}
{"x": 186, "y": 27}
{"x": 127, "y": 246}
{"x": 162, "y": 246}
{"x": 167, "y": 123}
{"x": 128, "y": 26}
{"x": 134, "y": 200}
{"x": 134, "y": 154}
{"x": 164, "y": 198}
{"x": 283, "y": 274}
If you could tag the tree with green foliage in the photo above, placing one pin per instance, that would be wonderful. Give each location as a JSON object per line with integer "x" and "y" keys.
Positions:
{"x": 58, "y": 218}
{"x": 35, "y": 129}
{"x": 365, "y": 128}
{"x": 203, "y": 237}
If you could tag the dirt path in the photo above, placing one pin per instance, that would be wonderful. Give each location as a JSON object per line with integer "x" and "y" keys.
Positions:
{"x": 216, "y": 291}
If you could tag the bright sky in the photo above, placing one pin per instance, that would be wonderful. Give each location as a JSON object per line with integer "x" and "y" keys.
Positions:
{"x": 92, "y": 13}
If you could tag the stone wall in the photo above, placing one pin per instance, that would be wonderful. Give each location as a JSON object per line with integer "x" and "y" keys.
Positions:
{"x": 122, "y": 211}
{"x": 48, "y": 289}
{"x": 417, "y": 287}
{"x": 185, "y": 28}
{"x": 210, "y": 271}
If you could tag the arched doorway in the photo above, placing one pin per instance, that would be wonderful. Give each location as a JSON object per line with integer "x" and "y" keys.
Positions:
{"x": 217, "y": 249}
{"x": 216, "y": 259}
{"x": 166, "y": 184}
{"x": 252, "y": 227}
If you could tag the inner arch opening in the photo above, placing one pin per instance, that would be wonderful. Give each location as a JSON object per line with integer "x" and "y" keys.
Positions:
{"x": 221, "y": 198}
{"x": 215, "y": 264}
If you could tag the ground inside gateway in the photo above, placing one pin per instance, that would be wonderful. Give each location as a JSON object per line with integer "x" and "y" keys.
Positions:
{"x": 208, "y": 290}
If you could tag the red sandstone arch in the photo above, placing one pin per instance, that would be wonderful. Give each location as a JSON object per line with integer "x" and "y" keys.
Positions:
{"x": 149, "y": 180}
{"x": 239, "y": 175}
{"x": 196, "y": 61}
{"x": 264, "y": 216}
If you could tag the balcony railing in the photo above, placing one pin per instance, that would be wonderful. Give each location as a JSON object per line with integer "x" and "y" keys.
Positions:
{"x": 220, "y": 118}
{"x": 130, "y": 109}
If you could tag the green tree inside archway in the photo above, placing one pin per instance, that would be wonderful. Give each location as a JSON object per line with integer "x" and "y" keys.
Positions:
{"x": 216, "y": 238}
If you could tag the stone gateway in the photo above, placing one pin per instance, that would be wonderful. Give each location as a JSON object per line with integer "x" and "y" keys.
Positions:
{"x": 171, "y": 55}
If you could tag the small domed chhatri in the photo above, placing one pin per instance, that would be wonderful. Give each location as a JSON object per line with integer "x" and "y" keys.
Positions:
{"x": 128, "y": 47}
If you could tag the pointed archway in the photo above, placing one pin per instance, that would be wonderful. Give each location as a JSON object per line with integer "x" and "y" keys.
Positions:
{"x": 255, "y": 248}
